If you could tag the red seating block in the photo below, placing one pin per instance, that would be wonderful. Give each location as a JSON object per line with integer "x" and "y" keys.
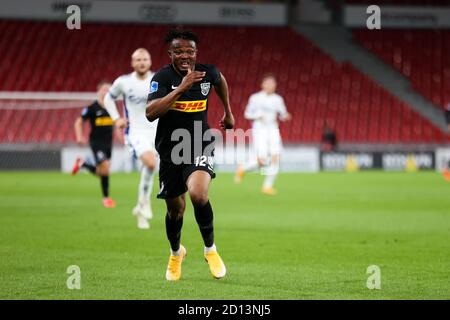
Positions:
{"x": 45, "y": 56}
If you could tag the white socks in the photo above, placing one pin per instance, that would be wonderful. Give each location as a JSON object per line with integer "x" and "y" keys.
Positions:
{"x": 268, "y": 181}
{"x": 271, "y": 174}
{"x": 210, "y": 249}
{"x": 206, "y": 250}
{"x": 145, "y": 185}
{"x": 175, "y": 253}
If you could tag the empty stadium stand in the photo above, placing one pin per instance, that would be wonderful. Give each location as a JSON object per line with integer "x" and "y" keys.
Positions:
{"x": 45, "y": 56}
{"x": 421, "y": 55}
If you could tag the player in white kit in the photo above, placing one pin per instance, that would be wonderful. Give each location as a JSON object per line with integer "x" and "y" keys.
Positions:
{"x": 265, "y": 108}
{"x": 139, "y": 132}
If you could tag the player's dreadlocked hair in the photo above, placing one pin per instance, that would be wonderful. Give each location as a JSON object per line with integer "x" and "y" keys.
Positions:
{"x": 179, "y": 33}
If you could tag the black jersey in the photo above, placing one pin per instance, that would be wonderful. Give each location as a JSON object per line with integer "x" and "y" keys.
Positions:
{"x": 101, "y": 124}
{"x": 188, "y": 112}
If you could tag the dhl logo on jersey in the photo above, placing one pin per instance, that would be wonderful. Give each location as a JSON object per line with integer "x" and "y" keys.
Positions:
{"x": 104, "y": 121}
{"x": 189, "y": 106}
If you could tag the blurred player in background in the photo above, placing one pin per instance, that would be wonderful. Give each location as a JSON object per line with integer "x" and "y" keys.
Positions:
{"x": 265, "y": 108}
{"x": 446, "y": 172}
{"x": 447, "y": 116}
{"x": 139, "y": 132}
{"x": 328, "y": 140}
{"x": 100, "y": 141}
{"x": 179, "y": 98}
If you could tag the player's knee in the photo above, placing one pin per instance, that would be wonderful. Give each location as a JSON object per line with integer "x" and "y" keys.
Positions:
{"x": 176, "y": 212}
{"x": 150, "y": 163}
{"x": 103, "y": 168}
{"x": 261, "y": 162}
{"x": 151, "y": 166}
{"x": 176, "y": 208}
{"x": 199, "y": 199}
{"x": 149, "y": 160}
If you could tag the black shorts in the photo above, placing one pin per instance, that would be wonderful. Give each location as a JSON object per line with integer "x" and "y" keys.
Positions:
{"x": 101, "y": 152}
{"x": 173, "y": 177}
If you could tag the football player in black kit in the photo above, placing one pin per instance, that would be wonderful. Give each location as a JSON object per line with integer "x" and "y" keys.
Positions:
{"x": 179, "y": 99}
{"x": 100, "y": 141}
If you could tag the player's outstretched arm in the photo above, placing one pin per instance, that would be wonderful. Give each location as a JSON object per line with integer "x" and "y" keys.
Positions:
{"x": 227, "y": 121}
{"x": 119, "y": 135}
{"x": 111, "y": 107}
{"x": 283, "y": 114}
{"x": 158, "y": 107}
{"x": 78, "y": 126}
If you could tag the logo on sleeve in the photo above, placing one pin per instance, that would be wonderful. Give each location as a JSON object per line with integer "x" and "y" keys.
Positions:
{"x": 153, "y": 86}
{"x": 205, "y": 88}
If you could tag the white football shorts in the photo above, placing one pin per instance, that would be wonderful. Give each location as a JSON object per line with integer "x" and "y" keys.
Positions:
{"x": 267, "y": 142}
{"x": 140, "y": 141}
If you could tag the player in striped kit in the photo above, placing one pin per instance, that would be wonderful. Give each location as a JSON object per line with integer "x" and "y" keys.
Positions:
{"x": 139, "y": 132}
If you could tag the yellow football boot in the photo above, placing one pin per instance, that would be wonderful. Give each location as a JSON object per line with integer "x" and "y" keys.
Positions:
{"x": 239, "y": 175}
{"x": 216, "y": 265}
{"x": 173, "y": 272}
{"x": 269, "y": 191}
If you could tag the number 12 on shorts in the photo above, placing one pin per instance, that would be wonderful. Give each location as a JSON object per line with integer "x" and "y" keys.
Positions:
{"x": 203, "y": 161}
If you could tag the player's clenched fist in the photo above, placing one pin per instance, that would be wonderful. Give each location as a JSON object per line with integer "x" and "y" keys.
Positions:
{"x": 227, "y": 122}
{"x": 190, "y": 78}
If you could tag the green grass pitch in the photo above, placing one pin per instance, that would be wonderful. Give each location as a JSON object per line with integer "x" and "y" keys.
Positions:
{"x": 314, "y": 240}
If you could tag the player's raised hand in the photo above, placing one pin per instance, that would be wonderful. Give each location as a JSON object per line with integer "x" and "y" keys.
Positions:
{"x": 227, "y": 122}
{"x": 190, "y": 78}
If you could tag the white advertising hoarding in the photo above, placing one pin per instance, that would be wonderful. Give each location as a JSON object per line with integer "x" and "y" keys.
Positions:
{"x": 293, "y": 158}
{"x": 442, "y": 158}
{"x": 121, "y": 160}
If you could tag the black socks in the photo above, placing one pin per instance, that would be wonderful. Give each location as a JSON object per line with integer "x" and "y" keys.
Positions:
{"x": 173, "y": 231}
{"x": 204, "y": 218}
{"x": 105, "y": 186}
{"x": 89, "y": 166}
